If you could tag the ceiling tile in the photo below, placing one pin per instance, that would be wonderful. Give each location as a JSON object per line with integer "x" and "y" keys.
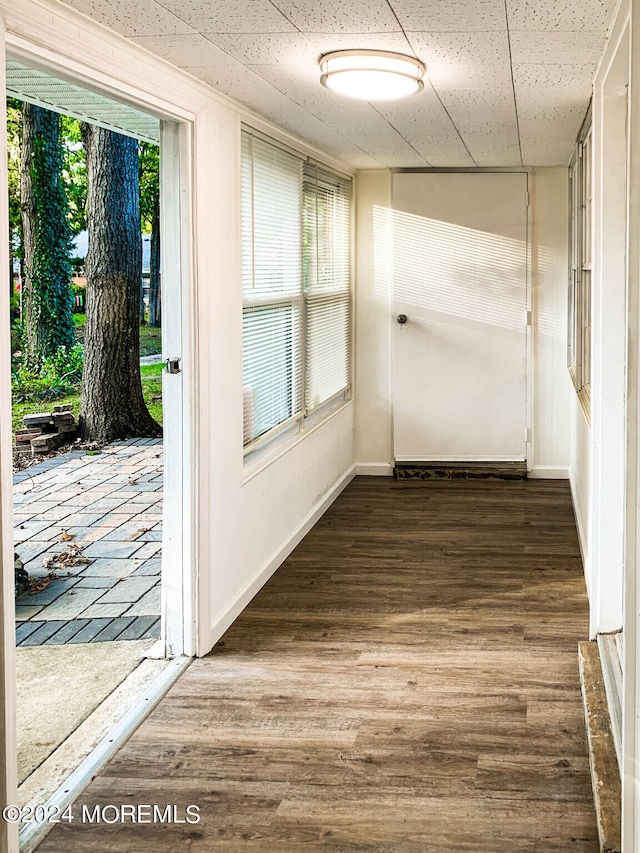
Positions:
{"x": 453, "y": 16}
{"x": 395, "y": 158}
{"x": 479, "y": 106}
{"x": 562, "y": 15}
{"x": 465, "y": 60}
{"x": 547, "y": 153}
{"x": 550, "y": 48}
{"x": 566, "y": 86}
{"x": 326, "y": 42}
{"x": 553, "y": 124}
{"x": 267, "y": 49}
{"x": 185, "y": 50}
{"x": 222, "y": 16}
{"x": 337, "y": 16}
{"x": 142, "y": 18}
{"x": 498, "y": 156}
{"x": 451, "y": 157}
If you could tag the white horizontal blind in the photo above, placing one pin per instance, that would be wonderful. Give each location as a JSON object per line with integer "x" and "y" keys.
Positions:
{"x": 272, "y": 286}
{"x": 326, "y": 235}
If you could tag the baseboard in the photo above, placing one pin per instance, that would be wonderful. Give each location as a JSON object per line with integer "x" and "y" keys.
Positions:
{"x": 374, "y": 469}
{"x": 227, "y": 617}
{"x": 582, "y": 540}
{"x": 548, "y": 472}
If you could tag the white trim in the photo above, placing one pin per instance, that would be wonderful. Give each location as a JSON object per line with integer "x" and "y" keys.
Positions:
{"x": 631, "y": 657}
{"x": 8, "y": 732}
{"x": 373, "y": 469}
{"x": 548, "y": 472}
{"x": 582, "y": 539}
{"x": 178, "y": 600}
{"x": 70, "y": 790}
{"x": 231, "y": 612}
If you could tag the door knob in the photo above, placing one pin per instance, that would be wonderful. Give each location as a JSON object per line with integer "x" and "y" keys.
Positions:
{"x": 401, "y": 318}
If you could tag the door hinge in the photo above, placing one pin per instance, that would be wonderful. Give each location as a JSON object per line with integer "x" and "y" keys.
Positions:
{"x": 526, "y": 199}
{"x": 173, "y": 365}
{"x": 527, "y": 435}
{"x": 529, "y": 318}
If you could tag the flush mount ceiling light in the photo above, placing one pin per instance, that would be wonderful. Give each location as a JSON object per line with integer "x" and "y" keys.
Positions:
{"x": 372, "y": 75}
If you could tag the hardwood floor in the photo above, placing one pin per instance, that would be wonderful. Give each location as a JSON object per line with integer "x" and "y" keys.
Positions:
{"x": 407, "y": 681}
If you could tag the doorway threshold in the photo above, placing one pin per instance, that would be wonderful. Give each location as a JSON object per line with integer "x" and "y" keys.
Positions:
{"x": 460, "y": 470}
{"x": 148, "y": 686}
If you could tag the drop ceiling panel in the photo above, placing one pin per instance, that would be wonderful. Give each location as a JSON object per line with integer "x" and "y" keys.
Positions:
{"x": 465, "y": 60}
{"x": 435, "y": 16}
{"x": 338, "y": 16}
{"x": 488, "y": 63}
{"x": 562, "y": 15}
{"x": 267, "y": 48}
{"x": 555, "y": 48}
{"x": 222, "y": 16}
{"x": 547, "y": 153}
{"x": 185, "y": 50}
{"x": 470, "y": 106}
{"x": 553, "y": 86}
{"x": 142, "y": 18}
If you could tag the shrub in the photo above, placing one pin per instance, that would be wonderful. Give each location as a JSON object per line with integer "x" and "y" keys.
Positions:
{"x": 54, "y": 377}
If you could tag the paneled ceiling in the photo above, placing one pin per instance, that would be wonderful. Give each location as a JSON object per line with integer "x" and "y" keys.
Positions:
{"x": 507, "y": 84}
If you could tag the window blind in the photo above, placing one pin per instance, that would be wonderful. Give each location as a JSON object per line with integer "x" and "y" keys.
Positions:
{"x": 271, "y": 284}
{"x": 296, "y": 287}
{"x": 326, "y": 236}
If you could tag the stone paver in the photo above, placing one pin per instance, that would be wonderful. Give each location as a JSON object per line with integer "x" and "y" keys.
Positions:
{"x": 110, "y": 549}
{"x": 110, "y": 505}
{"x": 148, "y": 604}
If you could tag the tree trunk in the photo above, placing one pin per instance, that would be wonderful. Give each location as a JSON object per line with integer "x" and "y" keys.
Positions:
{"x": 46, "y": 296}
{"x": 112, "y": 406}
{"x": 154, "y": 268}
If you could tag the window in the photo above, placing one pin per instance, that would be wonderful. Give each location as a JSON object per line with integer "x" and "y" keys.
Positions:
{"x": 296, "y": 288}
{"x": 580, "y": 265}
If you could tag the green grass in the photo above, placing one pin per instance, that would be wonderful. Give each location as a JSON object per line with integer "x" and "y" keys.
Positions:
{"x": 151, "y": 369}
{"x": 151, "y": 391}
{"x": 150, "y": 338}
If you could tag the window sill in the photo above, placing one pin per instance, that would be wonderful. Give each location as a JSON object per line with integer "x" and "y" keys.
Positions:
{"x": 260, "y": 459}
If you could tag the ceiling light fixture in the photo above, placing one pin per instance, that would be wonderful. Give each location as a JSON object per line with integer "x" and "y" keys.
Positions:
{"x": 372, "y": 75}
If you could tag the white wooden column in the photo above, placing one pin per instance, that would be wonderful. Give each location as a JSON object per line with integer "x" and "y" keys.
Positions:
{"x": 631, "y": 683}
{"x": 8, "y": 739}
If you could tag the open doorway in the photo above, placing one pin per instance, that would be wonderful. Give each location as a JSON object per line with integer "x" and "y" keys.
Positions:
{"x": 90, "y": 520}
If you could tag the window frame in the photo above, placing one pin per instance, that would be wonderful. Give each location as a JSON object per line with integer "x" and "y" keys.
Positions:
{"x": 579, "y": 337}
{"x": 307, "y": 418}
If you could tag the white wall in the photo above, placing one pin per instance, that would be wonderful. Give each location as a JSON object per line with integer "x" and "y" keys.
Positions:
{"x": 373, "y": 421}
{"x": 551, "y": 383}
{"x": 374, "y": 394}
{"x": 249, "y": 518}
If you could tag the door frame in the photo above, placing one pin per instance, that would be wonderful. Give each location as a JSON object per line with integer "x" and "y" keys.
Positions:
{"x": 529, "y": 387}
{"x": 35, "y": 36}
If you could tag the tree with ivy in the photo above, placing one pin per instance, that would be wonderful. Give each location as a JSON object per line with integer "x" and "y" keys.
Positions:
{"x": 150, "y": 216}
{"x": 46, "y": 238}
{"x": 112, "y": 406}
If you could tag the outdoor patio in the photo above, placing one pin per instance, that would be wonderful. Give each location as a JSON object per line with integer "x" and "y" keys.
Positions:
{"x": 96, "y": 520}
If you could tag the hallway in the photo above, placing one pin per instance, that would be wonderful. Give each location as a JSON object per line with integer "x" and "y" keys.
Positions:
{"x": 407, "y": 681}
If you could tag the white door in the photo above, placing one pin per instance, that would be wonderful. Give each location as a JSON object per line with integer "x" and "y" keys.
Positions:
{"x": 460, "y": 278}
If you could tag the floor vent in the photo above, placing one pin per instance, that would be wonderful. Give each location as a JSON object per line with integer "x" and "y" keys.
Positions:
{"x": 460, "y": 471}
{"x": 605, "y": 774}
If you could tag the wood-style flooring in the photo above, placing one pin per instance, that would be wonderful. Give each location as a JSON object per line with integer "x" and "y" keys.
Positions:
{"x": 407, "y": 681}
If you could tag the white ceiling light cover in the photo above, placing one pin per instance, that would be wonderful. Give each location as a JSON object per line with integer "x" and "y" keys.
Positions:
{"x": 371, "y": 75}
